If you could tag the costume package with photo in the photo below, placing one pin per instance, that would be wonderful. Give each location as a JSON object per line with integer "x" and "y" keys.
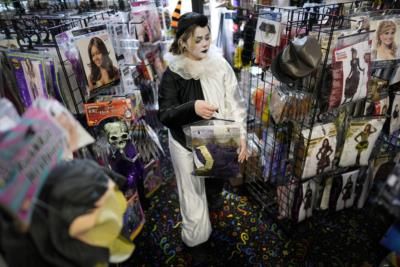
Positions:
{"x": 269, "y": 28}
{"x": 385, "y": 32}
{"x": 29, "y": 71}
{"x": 343, "y": 190}
{"x": 378, "y": 101}
{"x": 352, "y": 70}
{"x": 360, "y": 140}
{"x": 321, "y": 149}
{"x": 304, "y": 200}
{"x": 215, "y": 145}
{"x": 146, "y": 23}
{"x": 98, "y": 58}
{"x": 377, "y": 107}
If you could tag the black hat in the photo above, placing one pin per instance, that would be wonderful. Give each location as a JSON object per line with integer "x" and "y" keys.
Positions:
{"x": 189, "y": 19}
{"x": 298, "y": 60}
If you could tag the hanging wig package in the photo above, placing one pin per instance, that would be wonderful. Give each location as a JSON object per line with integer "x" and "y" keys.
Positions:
{"x": 98, "y": 58}
{"x": 215, "y": 145}
{"x": 384, "y": 32}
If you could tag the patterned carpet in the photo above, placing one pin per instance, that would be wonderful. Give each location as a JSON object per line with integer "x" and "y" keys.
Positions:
{"x": 245, "y": 236}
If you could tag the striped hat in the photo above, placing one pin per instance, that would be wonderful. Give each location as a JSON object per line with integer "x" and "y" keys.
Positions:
{"x": 176, "y": 15}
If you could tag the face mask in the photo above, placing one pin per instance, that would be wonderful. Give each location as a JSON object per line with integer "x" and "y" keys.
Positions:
{"x": 102, "y": 227}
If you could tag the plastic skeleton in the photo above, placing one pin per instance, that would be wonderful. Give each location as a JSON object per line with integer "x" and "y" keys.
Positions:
{"x": 118, "y": 137}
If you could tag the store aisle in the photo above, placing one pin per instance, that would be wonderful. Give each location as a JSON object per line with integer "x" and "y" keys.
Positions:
{"x": 243, "y": 236}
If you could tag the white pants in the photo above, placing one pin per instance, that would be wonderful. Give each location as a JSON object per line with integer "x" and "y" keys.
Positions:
{"x": 196, "y": 225}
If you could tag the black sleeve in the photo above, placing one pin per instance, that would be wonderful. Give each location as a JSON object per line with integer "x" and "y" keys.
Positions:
{"x": 172, "y": 113}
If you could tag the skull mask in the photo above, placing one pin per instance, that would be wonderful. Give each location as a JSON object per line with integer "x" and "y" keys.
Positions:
{"x": 117, "y": 133}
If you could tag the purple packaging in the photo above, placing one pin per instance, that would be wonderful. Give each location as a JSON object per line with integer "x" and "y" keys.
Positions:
{"x": 27, "y": 154}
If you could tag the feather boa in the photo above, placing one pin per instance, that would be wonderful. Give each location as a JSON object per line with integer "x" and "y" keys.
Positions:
{"x": 195, "y": 69}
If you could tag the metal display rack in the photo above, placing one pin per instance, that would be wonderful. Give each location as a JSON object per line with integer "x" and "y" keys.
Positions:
{"x": 39, "y": 31}
{"x": 273, "y": 174}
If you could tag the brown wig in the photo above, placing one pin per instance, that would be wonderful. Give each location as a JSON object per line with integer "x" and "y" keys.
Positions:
{"x": 106, "y": 61}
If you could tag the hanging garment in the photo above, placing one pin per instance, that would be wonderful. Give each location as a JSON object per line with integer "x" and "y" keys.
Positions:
{"x": 225, "y": 34}
{"x": 249, "y": 33}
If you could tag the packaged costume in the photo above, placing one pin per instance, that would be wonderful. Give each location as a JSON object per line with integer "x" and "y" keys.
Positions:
{"x": 215, "y": 150}
{"x": 350, "y": 70}
{"x": 29, "y": 71}
{"x": 360, "y": 140}
{"x": 304, "y": 201}
{"x": 346, "y": 196}
{"x": 384, "y": 47}
{"x": 321, "y": 149}
{"x": 355, "y": 71}
{"x": 98, "y": 58}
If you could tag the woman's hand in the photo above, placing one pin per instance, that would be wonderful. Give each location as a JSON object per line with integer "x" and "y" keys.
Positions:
{"x": 243, "y": 155}
{"x": 204, "y": 110}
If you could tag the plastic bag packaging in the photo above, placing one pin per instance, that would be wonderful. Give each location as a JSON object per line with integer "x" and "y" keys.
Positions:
{"x": 215, "y": 145}
{"x": 9, "y": 115}
{"x": 278, "y": 104}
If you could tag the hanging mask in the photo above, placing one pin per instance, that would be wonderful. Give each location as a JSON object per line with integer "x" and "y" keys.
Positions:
{"x": 117, "y": 134}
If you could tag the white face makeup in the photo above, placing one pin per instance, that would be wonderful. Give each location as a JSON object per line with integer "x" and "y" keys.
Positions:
{"x": 198, "y": 44}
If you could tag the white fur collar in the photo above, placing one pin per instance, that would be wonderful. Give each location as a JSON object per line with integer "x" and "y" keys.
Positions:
{"x": 195, "y": 69}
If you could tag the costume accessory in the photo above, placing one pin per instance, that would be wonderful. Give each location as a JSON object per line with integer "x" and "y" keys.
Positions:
{"x": 189, "y": 19}
{"x": 176, "y": 14}
{"x": 298, "y": 60}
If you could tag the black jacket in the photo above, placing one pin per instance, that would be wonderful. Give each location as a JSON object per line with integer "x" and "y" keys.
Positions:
{"x": 176, "y": 103}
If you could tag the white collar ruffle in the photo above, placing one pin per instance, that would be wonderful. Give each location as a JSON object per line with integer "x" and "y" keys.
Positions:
{"x": 195, "y": 69}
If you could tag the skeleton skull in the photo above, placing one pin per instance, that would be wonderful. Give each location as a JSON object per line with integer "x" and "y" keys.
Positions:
{"x": 117, "y": 133}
